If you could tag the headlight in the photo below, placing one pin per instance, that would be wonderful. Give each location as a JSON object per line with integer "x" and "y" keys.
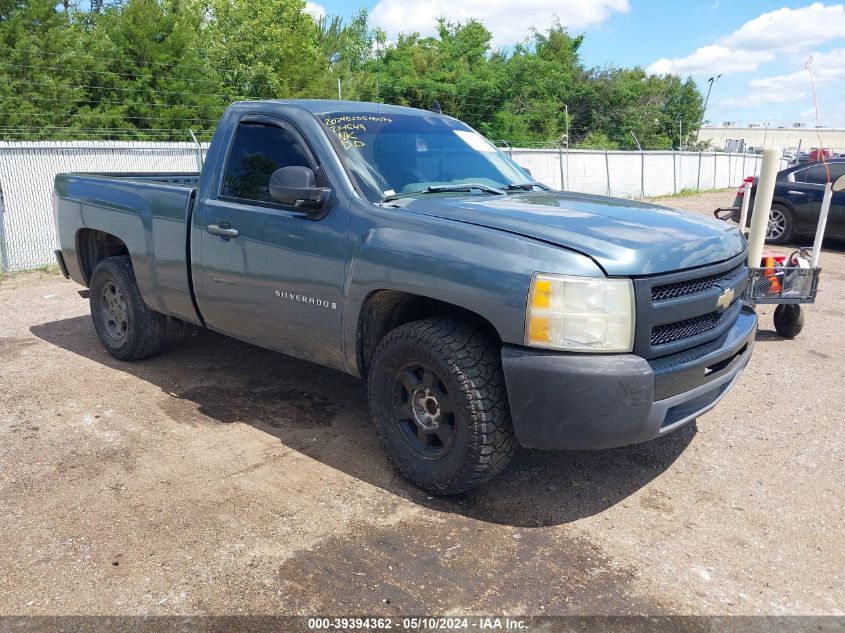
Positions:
{"x": 580, "y": 314}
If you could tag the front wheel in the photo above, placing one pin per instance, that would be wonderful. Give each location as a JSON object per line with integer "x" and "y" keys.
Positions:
{"x": 438, "y": 399}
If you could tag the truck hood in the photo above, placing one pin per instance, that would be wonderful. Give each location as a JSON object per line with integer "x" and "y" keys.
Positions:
{"x": 625, "y": 237}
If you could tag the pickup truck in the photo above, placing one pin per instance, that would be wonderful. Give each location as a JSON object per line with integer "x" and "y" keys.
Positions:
{"x": 483, "y": 309}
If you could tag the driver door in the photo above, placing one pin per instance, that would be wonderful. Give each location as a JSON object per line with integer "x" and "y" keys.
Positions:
{"x": 269, "y": 274}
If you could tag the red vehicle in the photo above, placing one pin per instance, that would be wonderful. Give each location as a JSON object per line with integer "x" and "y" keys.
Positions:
{"x": 817, "y": 154}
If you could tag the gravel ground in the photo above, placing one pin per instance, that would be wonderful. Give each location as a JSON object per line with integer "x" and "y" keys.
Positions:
{"x": 221, "y": 478}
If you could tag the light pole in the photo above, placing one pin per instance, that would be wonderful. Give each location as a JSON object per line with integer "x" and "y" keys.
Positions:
{"x": 710, "y": 81}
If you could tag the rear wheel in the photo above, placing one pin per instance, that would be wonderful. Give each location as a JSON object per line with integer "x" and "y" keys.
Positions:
{"x": 127, "y": 328}
{"x": 438, "y": 400}
{"x": 780, "y": 227}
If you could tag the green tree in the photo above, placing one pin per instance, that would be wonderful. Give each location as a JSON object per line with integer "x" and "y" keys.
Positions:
{"x": 39, "y": 54}
{"x": 153, "y": 68}
{"x": 262, "y": 49}
{"x": 151, "y": 78}
{"x": 345, "y": 49}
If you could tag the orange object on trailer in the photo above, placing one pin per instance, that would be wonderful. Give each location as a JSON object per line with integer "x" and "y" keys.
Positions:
{"x": 770, "y": 274}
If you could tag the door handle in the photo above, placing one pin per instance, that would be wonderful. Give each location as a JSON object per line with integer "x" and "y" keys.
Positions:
{"x": 224, "y": 229}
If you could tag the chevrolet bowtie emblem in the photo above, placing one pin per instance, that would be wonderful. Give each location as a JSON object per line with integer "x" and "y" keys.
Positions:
{"x": 725, "y": 299}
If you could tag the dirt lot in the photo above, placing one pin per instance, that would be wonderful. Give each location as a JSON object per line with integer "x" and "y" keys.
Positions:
{"x": 221, "y": 478}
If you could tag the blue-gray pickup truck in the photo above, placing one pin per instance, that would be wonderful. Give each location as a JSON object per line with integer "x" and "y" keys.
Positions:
{"x": 483, "y": 309}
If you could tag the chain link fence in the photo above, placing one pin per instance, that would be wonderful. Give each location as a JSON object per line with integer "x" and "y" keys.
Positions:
{"x": 27, "y": 170}
{"x": 634, "y": 174}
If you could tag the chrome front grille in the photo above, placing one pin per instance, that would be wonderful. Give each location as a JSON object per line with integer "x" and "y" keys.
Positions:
{"x": 688, "y": 328}
{"x": 679, "y": 311}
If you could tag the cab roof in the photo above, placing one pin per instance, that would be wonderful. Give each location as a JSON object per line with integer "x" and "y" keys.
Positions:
{"x": 324, "y": 106}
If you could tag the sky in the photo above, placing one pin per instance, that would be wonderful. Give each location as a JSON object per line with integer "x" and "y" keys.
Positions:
{"x": 759, "y": 48}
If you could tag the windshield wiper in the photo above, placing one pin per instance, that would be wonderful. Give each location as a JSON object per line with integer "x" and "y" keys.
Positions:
{"x": 463, "y": 186}
{"x": 524, "y": 186}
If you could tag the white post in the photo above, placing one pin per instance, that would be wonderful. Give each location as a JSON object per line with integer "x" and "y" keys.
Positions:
{"x": 746, "y": 200}
{"x": 817, "y": 244}
{"x": 762, "y": 206}
{"x": 642, "y": 174}
{"x": 560, "y": 165}
{"x": 199, "y": 150}
{"x": 674, "y": 174}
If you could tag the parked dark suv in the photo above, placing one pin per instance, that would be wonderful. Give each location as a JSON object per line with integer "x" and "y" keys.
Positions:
{"x": 797, "y": 201}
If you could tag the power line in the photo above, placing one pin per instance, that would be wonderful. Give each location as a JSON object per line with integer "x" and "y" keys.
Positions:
{"x": 9, "y": 129}
{"x": 83, "y": 71}
{"x": 97, "y": 115}
{"x": 329, "y": 91}
{"x": 106, "y": 59}
{"x": 115, "y": 88}
{"x": 465, "y": 107}
{"x": 122, "y": 103}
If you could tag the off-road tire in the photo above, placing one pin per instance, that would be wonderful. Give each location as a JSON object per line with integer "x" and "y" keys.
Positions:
{"x": 468, "y": 366}
{"x": 140, "y": 331}
{"x": 789, "y": 320}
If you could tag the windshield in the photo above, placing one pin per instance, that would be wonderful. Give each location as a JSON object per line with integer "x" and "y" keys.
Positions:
{"x": 399, "y": 153}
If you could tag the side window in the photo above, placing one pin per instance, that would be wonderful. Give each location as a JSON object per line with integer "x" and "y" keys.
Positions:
{"x": 836, "y": 170}
{"x": 814, "y": 175}
{"x": 257, "y": 152}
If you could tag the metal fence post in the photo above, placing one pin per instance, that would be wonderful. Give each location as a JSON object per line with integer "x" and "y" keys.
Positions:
{"x": 730, "y": 171}
{"x": 698, "y": 178}
{"x": 560, "y": 164}
{"x": 680, "y": 170}
{"x": 674, "y": 173}
{"x": 607, "y": 170}
{"x": 715, "y": 167}
{"x": 642, "y": 174}
{"x": 4, "y": 255}
{"x": 568, "y": 157}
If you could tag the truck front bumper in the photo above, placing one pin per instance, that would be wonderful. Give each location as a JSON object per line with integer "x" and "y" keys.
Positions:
{"x": 591, "y": 401}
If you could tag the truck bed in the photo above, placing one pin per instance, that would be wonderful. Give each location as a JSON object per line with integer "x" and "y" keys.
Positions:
{"x": 150, "y": 214}
{"x": 187, "y": 179}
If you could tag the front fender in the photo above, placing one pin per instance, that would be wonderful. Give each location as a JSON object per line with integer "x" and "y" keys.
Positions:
{"x": 483, "y": 270}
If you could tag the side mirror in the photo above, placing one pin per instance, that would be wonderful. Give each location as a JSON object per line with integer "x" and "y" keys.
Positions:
{"x": 839, "y": 184}
{"x": 296, "y": 186}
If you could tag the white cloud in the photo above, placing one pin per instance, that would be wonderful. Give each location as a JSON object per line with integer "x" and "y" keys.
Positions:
{"x": 794, "y": 89}
{"x": 316, "y": 11}
{"x": 509, "y": 23}
{"x": 790, "y": 29}
{"x": 827, "y": 67}
{"x": 760, "y": 40}
{"x": 760, "y": 98}
{"x": 712, "y": 59}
